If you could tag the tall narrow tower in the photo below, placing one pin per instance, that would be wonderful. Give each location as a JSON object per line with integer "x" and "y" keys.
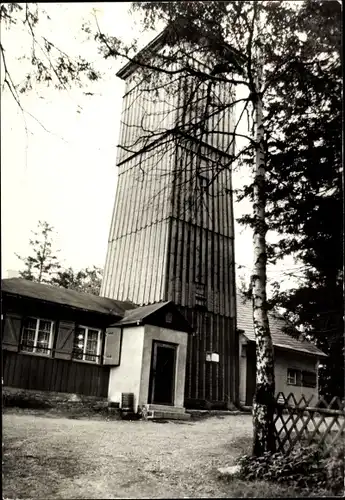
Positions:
{"x": 172, "y": 231}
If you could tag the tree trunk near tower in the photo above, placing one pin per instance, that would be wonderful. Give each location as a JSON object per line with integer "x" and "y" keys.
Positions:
{"x": 263, "y": 403}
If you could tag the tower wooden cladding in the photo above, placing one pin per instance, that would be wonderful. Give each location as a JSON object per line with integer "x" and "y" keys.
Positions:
{"x": 172, "y": 230}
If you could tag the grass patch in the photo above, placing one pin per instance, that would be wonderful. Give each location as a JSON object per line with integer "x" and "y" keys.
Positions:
{"x": 239, "y": 488}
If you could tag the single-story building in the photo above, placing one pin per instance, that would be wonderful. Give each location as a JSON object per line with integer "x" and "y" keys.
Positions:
{"x": 60, "y": 340}
{"x": 296, "y": 362}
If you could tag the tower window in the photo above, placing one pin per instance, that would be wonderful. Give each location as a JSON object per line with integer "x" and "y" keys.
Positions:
{"x": 200, "y": 295}
{"x": 200, "y": 301}
{"x": 203, "y": 180}
{"x": 168, "y": 317}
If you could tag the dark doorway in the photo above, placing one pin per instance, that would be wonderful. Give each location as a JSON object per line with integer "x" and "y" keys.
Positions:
{"x": 162, "y": 378}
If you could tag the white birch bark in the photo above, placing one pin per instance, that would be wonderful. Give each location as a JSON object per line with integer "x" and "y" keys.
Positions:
{"x": 263, "y": 404}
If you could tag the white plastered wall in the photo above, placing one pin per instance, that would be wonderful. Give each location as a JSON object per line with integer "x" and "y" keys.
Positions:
{"x": 133, "y": 373}
{"x": 164, "y": 335}
{"x": 284, "y": 359}
{"x": 126, "y": 377}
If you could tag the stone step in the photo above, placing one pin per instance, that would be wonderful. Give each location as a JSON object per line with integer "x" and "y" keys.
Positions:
{"x": 165, "y": 408}
{"x": 168, "y": 415}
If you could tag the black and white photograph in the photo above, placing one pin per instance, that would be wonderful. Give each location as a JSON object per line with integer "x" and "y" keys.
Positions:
{"x": 172, "y": 249}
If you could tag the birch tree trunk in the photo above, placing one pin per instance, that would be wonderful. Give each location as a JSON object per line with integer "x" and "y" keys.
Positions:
{"x": 263, "y": 404}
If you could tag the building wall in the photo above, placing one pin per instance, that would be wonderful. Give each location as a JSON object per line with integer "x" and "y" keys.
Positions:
{"x": 127, "y": 376}
{"x": 133, "y": 373}
{"x": 201, "y": 244}
{"x": 135, "y": 267}
{"x": 284, "y": 360}
{"x": 293, "y": 360}
{"x": 149, "y": 108}
{"x": 56, "y": 371}
{"x": 26, "y": 371}
{"x": 172, "y": 235}
{"x": 211, "y": 384}
{"x": 164, "y": 335}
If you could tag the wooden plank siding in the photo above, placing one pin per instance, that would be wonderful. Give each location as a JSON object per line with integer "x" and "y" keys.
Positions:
{"x": 40, "y": 373}
{"x": 171, "y": 235}
{"x": 207, "y": 382}
{"x": 53, "y": 373}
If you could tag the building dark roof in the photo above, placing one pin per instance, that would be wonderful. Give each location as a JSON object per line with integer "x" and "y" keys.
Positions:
{"x": 279, "y": 337}
{"x": 132, "y": 314}
{"x": 140, "y": 315}
{"x": 71, "y": 298}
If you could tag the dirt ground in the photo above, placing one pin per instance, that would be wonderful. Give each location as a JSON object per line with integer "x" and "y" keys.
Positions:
{"x": 45, "y": 457}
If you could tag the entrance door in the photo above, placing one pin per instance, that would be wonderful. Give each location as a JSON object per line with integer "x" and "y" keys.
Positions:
{"x": 162, "y": 378}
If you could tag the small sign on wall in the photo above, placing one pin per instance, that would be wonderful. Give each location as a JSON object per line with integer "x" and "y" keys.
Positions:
{"x": 212, "y": 357}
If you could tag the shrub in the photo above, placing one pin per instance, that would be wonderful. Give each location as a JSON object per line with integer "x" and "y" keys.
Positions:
{"x": 22, "y": 400}
{"x": 305, "y": 467}
{"x": 334, "y": 466}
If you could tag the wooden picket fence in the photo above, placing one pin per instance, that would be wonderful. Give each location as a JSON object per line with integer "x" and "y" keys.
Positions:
{"x": 296, "y": 421}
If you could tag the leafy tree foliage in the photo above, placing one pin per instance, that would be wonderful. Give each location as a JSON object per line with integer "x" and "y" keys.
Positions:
{"x": 86, "y": 280}
{"x": 43, "y": 61}
{"x": 42, "y": 264}
{"x": 305, "y": 206}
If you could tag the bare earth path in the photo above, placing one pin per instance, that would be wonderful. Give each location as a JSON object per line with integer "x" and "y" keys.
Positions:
{"x": 46, "y": 457}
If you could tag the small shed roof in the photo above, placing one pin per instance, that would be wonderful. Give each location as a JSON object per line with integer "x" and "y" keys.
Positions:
{"x": 280, "y": 339}
{"x": 143, "y": 313}
{"x": 63, "y": 296}
{"x": 140, "y": 313}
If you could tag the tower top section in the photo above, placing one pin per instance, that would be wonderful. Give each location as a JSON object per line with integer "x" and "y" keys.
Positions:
{"x": 144, "y": 54}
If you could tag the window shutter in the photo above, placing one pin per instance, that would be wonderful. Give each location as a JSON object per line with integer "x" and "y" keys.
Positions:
{"x": 64, "y": 340}
{"x": 309, "y": 379}
{"x": 11, "y": 332}
{"x": 112, "y": 346}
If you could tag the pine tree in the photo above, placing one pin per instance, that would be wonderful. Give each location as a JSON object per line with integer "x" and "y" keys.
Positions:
{"x": 42, "y": 264}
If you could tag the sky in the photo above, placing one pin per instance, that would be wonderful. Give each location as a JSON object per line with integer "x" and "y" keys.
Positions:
{"x": 66, "y": 174}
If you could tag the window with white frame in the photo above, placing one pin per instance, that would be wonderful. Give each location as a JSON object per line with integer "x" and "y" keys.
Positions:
{"x": 87, "y": 344}
{"x": 301, "y": 378}
{"x": 292, "y": 376}
{"x": 37, "y": 336}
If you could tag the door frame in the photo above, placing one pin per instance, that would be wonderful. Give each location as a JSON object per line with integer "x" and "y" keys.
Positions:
{"x": 174, "y": 347}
